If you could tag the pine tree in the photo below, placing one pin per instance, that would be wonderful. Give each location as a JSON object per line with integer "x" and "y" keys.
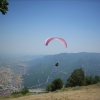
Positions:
{"x": 56, "y": 84}
{"x": 3, "y": 6}
{"x": 77, "y": 78}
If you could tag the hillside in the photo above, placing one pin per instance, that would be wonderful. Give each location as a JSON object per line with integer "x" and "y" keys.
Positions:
{"x": 42, "y": 71}
{"x": 39, "y": 71}
{"x": 91, "y": 92}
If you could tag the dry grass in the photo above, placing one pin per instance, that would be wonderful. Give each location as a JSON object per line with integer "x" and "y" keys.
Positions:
{"x": 91, "y": 92}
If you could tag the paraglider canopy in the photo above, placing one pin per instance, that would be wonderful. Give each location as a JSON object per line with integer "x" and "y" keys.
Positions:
{"x": 55, "y": 38}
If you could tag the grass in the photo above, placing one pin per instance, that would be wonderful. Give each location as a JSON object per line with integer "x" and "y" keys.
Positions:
{"x": 77, "y": 88}
{"x": 98, "y": 84}
{"x": 91, "y": 92}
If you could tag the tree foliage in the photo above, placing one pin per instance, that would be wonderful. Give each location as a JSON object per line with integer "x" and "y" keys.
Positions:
{"x": 3, "y": 6}
{"x": 92, "y": 80}
{"x": 77, "y": 78}
{"x": 48, "y": 87}
{"x": 20, "y": 93}
{"x": 24, "y": 90}
{"x": 55, "y": 85}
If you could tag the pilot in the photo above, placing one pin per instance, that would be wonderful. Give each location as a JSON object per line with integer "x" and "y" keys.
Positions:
{"x": 56, "y": 64}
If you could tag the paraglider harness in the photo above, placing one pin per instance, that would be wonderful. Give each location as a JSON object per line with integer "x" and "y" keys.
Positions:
{"x": 56, "y": 64}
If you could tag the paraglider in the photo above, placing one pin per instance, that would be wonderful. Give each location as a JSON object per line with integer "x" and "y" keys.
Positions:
{"x": 55, "y": 38}
{"x": 56, "y": 64}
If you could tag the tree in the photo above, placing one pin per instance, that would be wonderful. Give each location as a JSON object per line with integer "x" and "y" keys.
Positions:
{"x": 3, "y": 6}
{"x": 77, "y": 78}
{"x": 87, "y": 79}
{"x": 48, "y": 88}
{"x": 56, "y": 84}
{"x": 96, "y": 79}
{"x": 24, "y": 90}
{"x": 92, "y": 80}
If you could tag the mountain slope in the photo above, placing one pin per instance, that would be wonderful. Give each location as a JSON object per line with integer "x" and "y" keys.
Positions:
{"x": 43, "y": 71}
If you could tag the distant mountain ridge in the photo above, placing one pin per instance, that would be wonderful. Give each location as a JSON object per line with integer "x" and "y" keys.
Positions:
{"x": 43, "y": 71}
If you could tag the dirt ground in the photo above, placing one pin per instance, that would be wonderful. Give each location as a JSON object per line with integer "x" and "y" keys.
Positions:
{"x": 91, "y": 92}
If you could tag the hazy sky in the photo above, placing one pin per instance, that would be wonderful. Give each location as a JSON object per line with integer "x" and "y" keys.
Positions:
{"x": 29, "y": 23}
